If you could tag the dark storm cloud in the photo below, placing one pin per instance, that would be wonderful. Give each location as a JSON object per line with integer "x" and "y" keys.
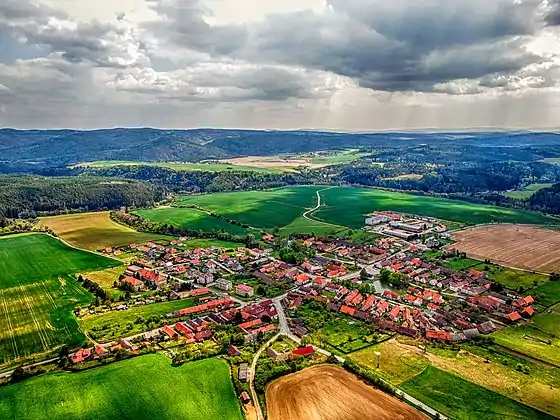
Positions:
{"x": 552, "y": 17}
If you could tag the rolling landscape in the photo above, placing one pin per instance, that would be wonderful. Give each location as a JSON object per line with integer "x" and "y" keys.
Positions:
{"x": 137, "y": 269}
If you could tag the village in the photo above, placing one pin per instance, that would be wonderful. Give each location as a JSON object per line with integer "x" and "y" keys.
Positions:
{"x": 232, "y": 287}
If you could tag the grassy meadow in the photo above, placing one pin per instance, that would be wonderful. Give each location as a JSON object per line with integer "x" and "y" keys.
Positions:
{"x": 190, "y": 219}
{"x": 261, "y": 209}
{"x": 145, "y": 387}
{"x": 476, "y": 368}
{"x": 344, "y": 207}
{"x": 527, "y": 192}
{"x": 94, "y": 231}
{"x": 116, "y": 324}
{"x": 347, "y": 206}
{"x": 461, "y": 399}
{"x": 37, "y": 295}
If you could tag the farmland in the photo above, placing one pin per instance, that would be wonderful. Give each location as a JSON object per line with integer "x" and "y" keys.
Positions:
{"x": 347, "y": 206}
{"x": 343, "y": 207}
{"x": 526, "y": 247}
{"x": 116, "y": 324}
{"x": 93, "y": 231}
{"x": 401, "y": 363}
{"x": 261, "y": 209}
{"x": 461, "y": 399}
{"x": 527, "y": 192}
{"x": 191, "y": 219}
{"x": 185, "y": 166}
{"x": 196, "y": 390}
{"x": 33, "y": 258}
{"x": 38, "y": 295}
{"x": 329, "y": 392}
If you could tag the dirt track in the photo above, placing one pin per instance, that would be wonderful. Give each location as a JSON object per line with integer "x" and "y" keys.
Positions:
{"x": 527, "y": 247}
{"x": 330, "y": 393}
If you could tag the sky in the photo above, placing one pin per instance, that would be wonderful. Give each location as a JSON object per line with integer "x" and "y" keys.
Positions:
{"x": 347, "y": 65}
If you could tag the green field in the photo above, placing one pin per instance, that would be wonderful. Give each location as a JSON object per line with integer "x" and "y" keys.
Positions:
{"x": 184, "y": 167}
{"x": 32, "y": 258}
{"x": 117, "y": 324}
{"x": 338, "y": 157}
{"x": 145, "y": 387}
{"x": 95, "y": 231}
{"x": 190, "y": 219}
{"x": 508, "y": 277}
{"x": 460, "y": 399}
{"x": 37, "y": 294}
{"x": 532, "y": 342}
{"x": 348, "y": 206}
{"x": 261, "y": 209}
{"x": 547, "y": 294}
{"x": 528, "y": 191}
{"x": 344, "y": 206}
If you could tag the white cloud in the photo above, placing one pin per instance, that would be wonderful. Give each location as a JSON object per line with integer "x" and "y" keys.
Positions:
{"x": 336, "y": 64}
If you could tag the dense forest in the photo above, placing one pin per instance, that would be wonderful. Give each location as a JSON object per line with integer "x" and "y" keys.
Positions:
{"x": 28, "y": 197}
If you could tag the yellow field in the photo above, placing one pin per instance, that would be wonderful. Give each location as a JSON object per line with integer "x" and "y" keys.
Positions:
{"x": 105, "y": 278}
{"x": 94, "y": 231}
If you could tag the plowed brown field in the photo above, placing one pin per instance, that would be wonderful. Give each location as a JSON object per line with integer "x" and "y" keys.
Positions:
{"x": 526, "y": 247}
{"x": 331, "y": 393}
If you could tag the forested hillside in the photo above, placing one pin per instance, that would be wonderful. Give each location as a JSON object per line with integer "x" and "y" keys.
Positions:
{"x": 24, "y": 197}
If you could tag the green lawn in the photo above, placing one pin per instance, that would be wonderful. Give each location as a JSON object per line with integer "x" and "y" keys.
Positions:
{"x": 348, "y": 206}
{"x": 460, "y": 399}
{"x": 190, "y": 219}
{"x": 339, "y": 157}
{"x": 37, "y": 295}
{"x": 261, "y": 209}
{"x": 528, "y": 191}
{"x": 31, "y": 258}
{"x": 184, "y": 167}
{"x": 548, "y": 321}
{"x": 303, "y": 225}
{"x": 116, "y": 324}
{"x": 459, "y": 264}
{"x": 145, "y": 387}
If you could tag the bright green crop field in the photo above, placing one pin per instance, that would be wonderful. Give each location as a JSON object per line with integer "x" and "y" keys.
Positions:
{"x": 460, "y": 399}
{"x": 190, "y": 219}
{"x": 348, "y": 206}
{"x": 345, "y": 206}
{"x": 261, "y": 209}
{"x": 37, "y": 295}
{"x": 145, "y": 387}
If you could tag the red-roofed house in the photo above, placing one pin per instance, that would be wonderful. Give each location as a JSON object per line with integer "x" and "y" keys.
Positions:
{"x": 170, "y": 332}
{"x": 244, "y": 290}
{"x": 304, "y": 351}
{"x": 134, "y": 284}
{"x": 527, "y": 312}
{"x": 514, "y": 316}
{"x": 347, "y": 310}
{"x": 81, "y": 355}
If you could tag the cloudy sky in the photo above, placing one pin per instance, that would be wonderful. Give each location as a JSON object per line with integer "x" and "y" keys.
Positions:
{"x": 334, "y": 64}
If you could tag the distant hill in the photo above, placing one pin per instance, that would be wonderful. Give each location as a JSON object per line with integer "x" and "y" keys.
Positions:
{"x": 24, "y": 150}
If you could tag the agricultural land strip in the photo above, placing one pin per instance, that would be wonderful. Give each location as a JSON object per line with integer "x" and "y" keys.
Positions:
{"x": 94, "y": 231}
{"x": 525, "y": 247}
{"x": 196, "y": 390}
{"x": 330, "y": 392}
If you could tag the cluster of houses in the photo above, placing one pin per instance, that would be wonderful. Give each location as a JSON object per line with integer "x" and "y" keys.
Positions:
{"x": 402, "y": 226}
{"x": 422, "y": 310}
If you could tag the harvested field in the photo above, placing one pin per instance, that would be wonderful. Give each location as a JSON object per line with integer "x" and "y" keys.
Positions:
{"x": 526, "y": 247}
{"x": 275, "y": 162}
{"x": 331, "y": 393}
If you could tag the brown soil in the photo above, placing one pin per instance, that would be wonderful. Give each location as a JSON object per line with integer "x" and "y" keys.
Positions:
{"x": 329, "y": 392}
{"x": 272, "y": 162}
{"x": 526, "y": 247}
